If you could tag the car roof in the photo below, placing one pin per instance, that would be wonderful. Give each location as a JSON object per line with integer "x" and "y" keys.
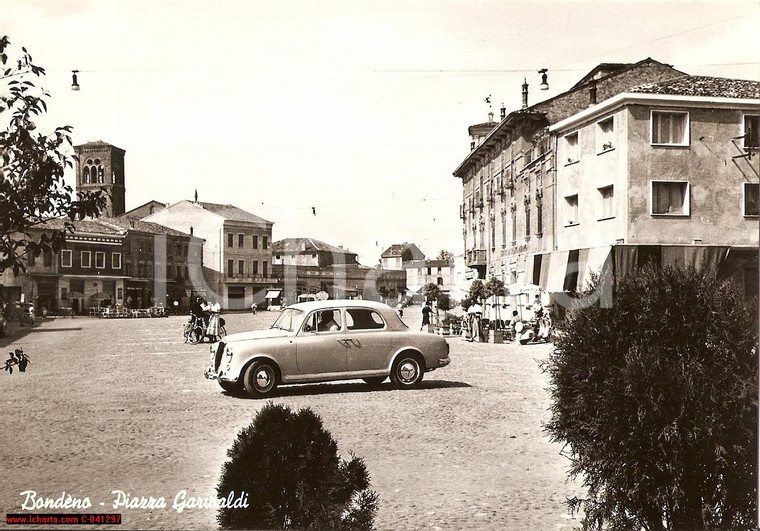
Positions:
{"x": 342, "y": 303}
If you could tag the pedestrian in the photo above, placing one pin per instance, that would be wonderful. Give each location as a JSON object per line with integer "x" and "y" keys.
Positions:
{"x": 475, "y": 315}
{"x": 426, "y": 317}
{"x": 253, "y": 308}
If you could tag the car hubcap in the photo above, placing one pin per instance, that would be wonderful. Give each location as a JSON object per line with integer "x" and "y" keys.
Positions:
{"x": 408, "y": 371}
{"x": 263, "y": 379}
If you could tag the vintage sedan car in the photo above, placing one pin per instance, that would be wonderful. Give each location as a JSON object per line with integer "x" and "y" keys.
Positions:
{"x": 328, "y": 340}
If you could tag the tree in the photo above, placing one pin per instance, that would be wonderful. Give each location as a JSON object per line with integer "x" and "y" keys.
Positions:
{"x": 431, "y": 291}
{"x": 443, "y": 302}
{"x": 32, "y": 188}
{"x": 494, "y": 287}
{"x": 288, "y": 465}
{"x": 476, "y": 295}
{"x": 656, "y": 399}
{"x": 446, "y": 255}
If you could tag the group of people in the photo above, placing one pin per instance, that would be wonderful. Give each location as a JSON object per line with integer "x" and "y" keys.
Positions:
{"x": 208, "y": 313}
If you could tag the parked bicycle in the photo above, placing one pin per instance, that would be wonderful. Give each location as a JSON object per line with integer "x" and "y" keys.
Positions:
{"x": 197, "y": 329}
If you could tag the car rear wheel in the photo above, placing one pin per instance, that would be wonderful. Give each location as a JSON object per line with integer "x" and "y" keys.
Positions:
{"x": 407, "y": 371}
{"x": 375, "y": 381}
{"x": 260, "y": 379}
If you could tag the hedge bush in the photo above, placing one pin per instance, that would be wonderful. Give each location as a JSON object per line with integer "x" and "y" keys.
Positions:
{"x": 288, "y": 465}
{"x": 656, "y": 400}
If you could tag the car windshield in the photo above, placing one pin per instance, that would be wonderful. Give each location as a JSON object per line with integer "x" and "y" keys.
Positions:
{"x": 288, "y": 319}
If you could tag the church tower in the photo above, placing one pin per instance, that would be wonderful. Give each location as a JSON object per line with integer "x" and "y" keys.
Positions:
{"x": 101, "y": 165}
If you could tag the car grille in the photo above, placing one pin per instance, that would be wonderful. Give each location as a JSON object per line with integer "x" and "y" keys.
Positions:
{"x": 219, "y": 354}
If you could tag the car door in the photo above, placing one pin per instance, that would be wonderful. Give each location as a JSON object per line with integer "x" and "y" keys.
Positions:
{"x": 370, "y": 343}
{"x": 320, "y": 350}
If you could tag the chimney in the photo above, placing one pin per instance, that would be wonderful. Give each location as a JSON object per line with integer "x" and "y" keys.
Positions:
{"x": 525, "y": 94}
{"x": 592, "y": 93}
{"x": 490, "y": 117}
{"x": 472, "y": 145}
{"x": 503, "y": 111}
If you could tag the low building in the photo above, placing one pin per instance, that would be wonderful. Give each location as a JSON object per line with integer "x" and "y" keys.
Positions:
{"x": 305, "y": 266}
{"x": 394, "y": 257}
{"x": 420, "y": 273}
{"x": 107, "y": 262}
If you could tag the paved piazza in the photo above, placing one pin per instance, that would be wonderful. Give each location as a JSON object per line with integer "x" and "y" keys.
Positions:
{"x": 123, "y": 405}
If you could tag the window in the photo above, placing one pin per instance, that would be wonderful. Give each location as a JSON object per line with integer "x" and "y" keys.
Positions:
{"x": 607, "y": 208}
{"x": 86, "y": 175}
{"x": 323, "y": 321}
{"x": 240, "y": 240}
{"x": 230, "y": 268}
{"x": 605, "y": 135}
{"x": 230, "y": 239}
{"x": 30, "y": 258}
{"x": 670, "y": 198}
{"x": 264, "y": 242}
{"x": 255, "y": 242}
{"x": 47, "y": 257}
{"x": 751, "y": 132}
{"x": 86, "y": 259}
{"x": 539, "y": 219}
{"x": 264, "y": 267}
{"x": 100, "y": 260}
{"x": 527, "y": 221}
{"x": 66, "y": 258}
{"x": 571, "y": 210}
{"x": 241, "y": 267}
{"x": 528, "y": 157}
{"x": 503, "y": 228}
{"x": 361, "y": 319}
{"x": 749, "y": 198}
{"x": 514, "y": 227}
{"x": 670, "y": 128}
{"x": 254, "y": 268}
{"x": 572, "y": 150}
{"x": 115, "y": 260}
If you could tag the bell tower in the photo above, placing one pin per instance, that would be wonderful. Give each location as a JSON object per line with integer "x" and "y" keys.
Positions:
{"x": 101, "y": 165}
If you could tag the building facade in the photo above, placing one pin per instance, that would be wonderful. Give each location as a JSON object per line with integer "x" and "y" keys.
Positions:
{"x": 419, "y": 273}
{"x": 557, "y": 189}
{"x": 237, "y": 254}
{"x": 304, "y": 266}
{"x": 107, "y": 262}
{"x": 394, "y": 257}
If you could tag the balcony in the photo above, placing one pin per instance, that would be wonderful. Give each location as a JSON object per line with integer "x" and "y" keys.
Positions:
{"x": 476, "y": 257}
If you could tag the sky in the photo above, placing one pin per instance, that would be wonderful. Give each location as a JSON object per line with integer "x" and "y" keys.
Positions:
{"x": 340, "y": 120}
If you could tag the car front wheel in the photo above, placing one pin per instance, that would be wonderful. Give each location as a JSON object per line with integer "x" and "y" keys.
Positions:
{"x": 407, "y": 371}
{"x": 260, "y": 379}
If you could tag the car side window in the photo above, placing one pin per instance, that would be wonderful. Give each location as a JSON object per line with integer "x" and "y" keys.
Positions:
{"x": 362, "y": 319}
{"x": 323, "y": 321}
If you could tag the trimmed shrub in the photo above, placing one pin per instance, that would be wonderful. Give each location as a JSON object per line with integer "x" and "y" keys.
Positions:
{"x": 656, "y": 399}
{"x": 288, "y": 465}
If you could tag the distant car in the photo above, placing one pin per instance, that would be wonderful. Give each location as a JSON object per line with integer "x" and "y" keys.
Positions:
{"x": 323, "y": 341}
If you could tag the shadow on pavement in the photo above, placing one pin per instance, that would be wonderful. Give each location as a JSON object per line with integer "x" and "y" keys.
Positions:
{"x": 334, "y": 389}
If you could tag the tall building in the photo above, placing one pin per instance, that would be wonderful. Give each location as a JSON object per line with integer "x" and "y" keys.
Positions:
{"x": 635, "y": 162}
{"x": 101, "y": 165}
{"x": 237, "y": 254}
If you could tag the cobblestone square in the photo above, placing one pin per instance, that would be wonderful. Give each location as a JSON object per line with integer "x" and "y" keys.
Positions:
{"x": 123, "y": 405}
